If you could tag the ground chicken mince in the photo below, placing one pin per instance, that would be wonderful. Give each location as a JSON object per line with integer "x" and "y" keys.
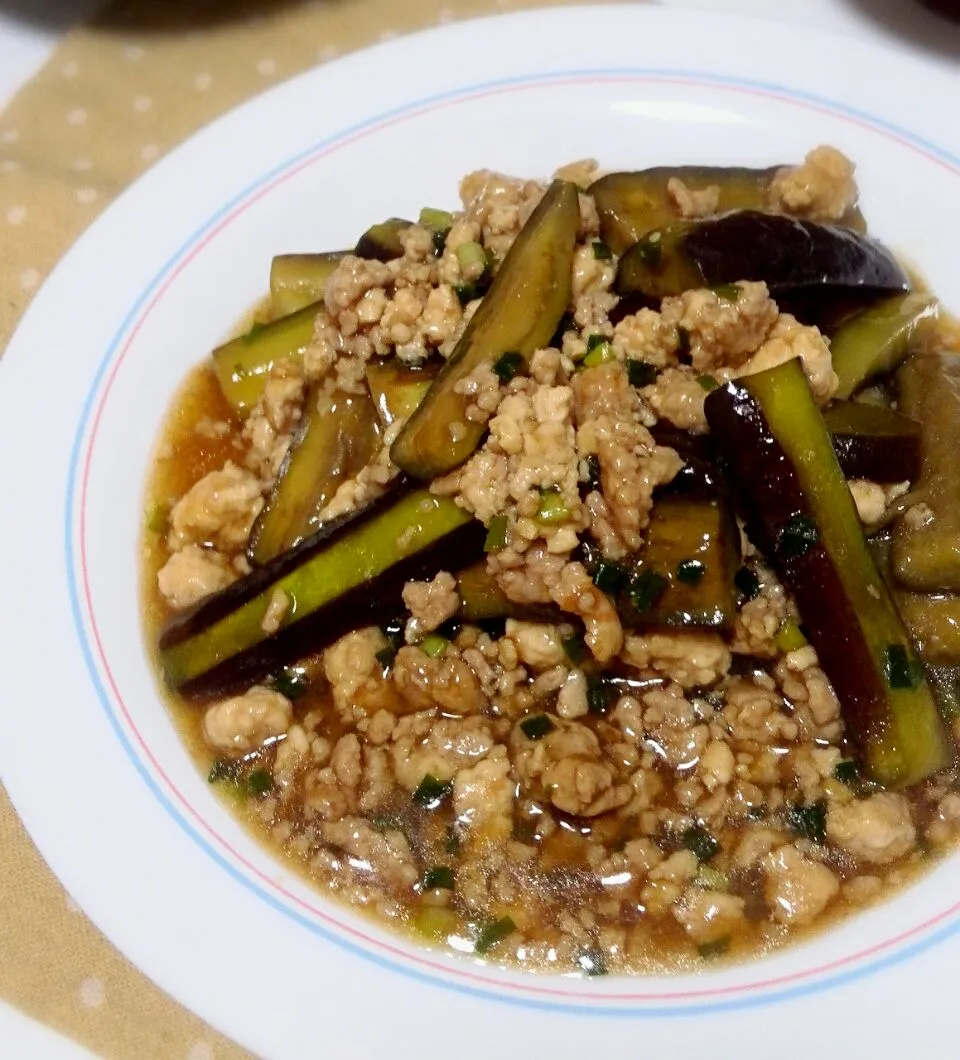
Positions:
{"x": 555, "y": 787}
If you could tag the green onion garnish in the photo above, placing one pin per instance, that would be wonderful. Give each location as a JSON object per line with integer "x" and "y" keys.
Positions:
{"x": 507, "y": 365}
{"x": 701, "y": 842}
{"x": 537, "y": 727}
{"x": 438, "y": 876}
{"x": 260, "y": 782}
{"x": 431, "y": 792}
{"x": 601, "y": 251}
{"x": 496, "y": 539}
{"x": 797, "y": 536}
{"x": 707, "y": 382}
{"x": 641, "y": 373}
{"x": 434, "y": 645}
{"x": 690, "y": 571}
{"x": 490, "y": 934}
{"x": 552, "y": 508}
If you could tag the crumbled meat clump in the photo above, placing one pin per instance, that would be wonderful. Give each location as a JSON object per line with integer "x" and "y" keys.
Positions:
{"x": 562, "y": 784}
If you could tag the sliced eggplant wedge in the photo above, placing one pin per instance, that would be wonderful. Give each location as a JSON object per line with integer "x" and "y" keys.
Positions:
{"x": 480, "y": 596}
{"x": 794, "y": 258}
{"x": 926, "y": 551}
{"x": 335, "y": 439}
{"x": 299, "y": 280}
{"x": 518, "y": 315}
{"x": 349, "y": 574}
{"x": 799, "y": 511}
{"x": 877, "y": 340}
{"x": 381, "y": 242}
{"x": 874, "y": 442}
{"x": 397, "y": 390}
{"x": 684, "y": 575}
{"x": 243, "y": 364}
{"x": 632, "y": 204}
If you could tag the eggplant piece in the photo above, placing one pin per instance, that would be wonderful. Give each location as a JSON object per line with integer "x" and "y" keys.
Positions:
{"x": 333, "y": 442}
{"x": 397, "y": 390}
{"x": 685, "y": 570}
{"x": 381, "y": 242}
{"x": 800, "y": 513}
{"x": 518, "y": 315}
{"x": 793, "y": 258}
{"x": 632, "y": 204}
{"x": 299, "y": 280}
{"x": 877, "y": 340}
{"x": 243, "y": 364}
{"x": 926, "y": 553}
{"x": 874, "y": 442}
{"x": 349, "y": 574}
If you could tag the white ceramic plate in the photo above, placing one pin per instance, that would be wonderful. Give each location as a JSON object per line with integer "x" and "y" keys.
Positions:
{"x": 87, "y": 751}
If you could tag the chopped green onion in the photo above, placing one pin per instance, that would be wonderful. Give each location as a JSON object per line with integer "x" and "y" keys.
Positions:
{"x": 434, "y": 645}
{"x": 472, "y": 259}
{"x": 599, "y": 694}
{"x": 645, "y": 589}
{"x": 490, "y": 934}
{"x": 709, "y": 879}
{"x": 809, "y": 822}
{"x": 797, "y": 536}
{"x": 292, "y": 682}
{"x": 601, "y": 251}
{"x": 466, "y": 292}
{"x": 847, "y": 772}
{"x": 650, "y": 249}
{"x": 439, "y": 876}
{"x": 747, "y": 582}
{"x": 707, "y": 382}
{"x": 431, "y": 792}
{"x": 385, "y": 657}
{"x": 507, "y": 365}
{"x": 609, "y": 576}
{"x": 260, "y": 782}
{"x": 496, "y": 539}
{"x": 436, "y": 220}
{"x": 386, "y": 822}
{"x": 537, "y": 727}
{"x": 701, "y": 842}
{"x": 436, "y": 923}
{"x": 640, "y": 373}
{"x": 600, "y": 354}
{"x": 716, "y": 948}
{"x": 690, "y": 571}
{"x": 595, "y": 340}
{"x": 591, "y": 962}
{"x": 553, "y": 508}
{"x": 901, "y": 671}
{"x": 727, "y": 292}
{"x": 223, "y": 769}
{"x": 789, "y": 637}
{"x": 576, "y": 648}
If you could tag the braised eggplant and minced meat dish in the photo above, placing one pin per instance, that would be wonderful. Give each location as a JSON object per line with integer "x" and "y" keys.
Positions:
{"x": 572, "y": 579}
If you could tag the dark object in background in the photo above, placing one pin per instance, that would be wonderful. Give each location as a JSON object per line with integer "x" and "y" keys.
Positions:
{"x": 947, "y": 8}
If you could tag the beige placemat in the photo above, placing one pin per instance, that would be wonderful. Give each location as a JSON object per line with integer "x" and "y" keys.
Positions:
{"x": 115, "y": 96}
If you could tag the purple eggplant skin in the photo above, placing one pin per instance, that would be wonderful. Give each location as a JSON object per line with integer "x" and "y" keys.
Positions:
{"x": 795, "y": 258}
{"x": 874, "y": 442}
{"x": 799, "y": 512}
{"x": 363, "y": 605}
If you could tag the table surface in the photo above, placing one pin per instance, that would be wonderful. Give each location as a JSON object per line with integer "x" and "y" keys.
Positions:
{"x": 30, "y": 30}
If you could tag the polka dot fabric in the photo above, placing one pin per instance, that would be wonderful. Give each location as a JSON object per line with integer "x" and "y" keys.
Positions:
{"x": 115, "y": 97}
